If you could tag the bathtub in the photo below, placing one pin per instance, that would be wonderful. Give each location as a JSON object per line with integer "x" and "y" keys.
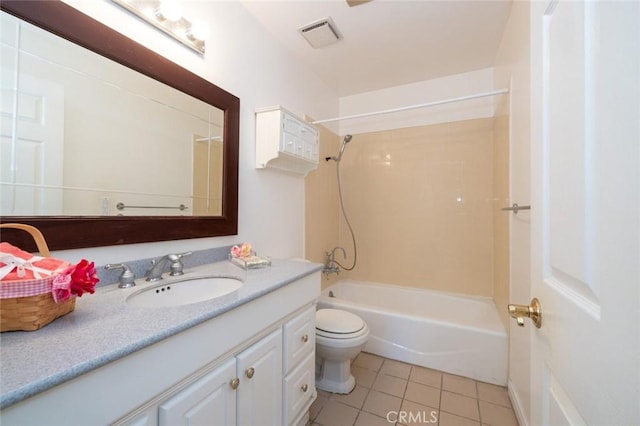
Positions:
{"x": 461, "y": 335}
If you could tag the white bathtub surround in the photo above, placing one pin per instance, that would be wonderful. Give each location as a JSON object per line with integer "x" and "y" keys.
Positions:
{"x": 461, "y": 335}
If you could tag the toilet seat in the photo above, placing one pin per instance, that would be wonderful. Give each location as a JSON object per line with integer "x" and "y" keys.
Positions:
{"x": 338, "y": 324}
{"x": 341, "y": 336}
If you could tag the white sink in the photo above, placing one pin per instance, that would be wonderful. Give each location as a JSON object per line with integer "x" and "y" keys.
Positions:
{"x": 184, "y": 291}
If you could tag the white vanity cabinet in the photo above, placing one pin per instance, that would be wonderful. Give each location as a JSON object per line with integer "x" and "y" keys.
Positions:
{"x": 285, "y": 142}
{"x": 272, "y": 382}
{"x": 252, "y": 365}
{"x": 244, "y": 390}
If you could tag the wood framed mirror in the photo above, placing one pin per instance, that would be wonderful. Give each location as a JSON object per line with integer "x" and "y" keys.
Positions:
{"x": 68, "y": 231}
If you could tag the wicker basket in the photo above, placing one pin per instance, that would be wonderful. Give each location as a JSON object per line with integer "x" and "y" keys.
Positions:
{"x": 32, "y": 312}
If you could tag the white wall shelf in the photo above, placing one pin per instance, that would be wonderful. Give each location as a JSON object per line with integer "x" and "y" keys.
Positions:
{"x": 285, "y": 142}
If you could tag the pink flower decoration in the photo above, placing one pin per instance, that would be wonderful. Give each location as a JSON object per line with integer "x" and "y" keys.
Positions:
{"x": 243, "y": 251}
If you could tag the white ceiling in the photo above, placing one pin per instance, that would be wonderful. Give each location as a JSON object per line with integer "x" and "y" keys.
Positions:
{"x": 389, "y": 42}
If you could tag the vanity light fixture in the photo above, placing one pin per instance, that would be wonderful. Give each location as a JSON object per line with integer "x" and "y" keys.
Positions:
{"x": 166, "y": 15}
{"x": 170, "y": 9}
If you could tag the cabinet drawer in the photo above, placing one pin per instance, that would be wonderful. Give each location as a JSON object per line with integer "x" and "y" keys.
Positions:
{"x": 299, "y": 389}
{"x": 291, "y": 124}
{"x": 288, "y": 143}
{"x": 311, "y": 150}
{"x": 292, "y": 144}
{"x": 308, "y": 133}
{"x": 299, "y": 338}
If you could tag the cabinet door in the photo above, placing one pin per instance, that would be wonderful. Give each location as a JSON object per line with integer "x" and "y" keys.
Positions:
{"x": 260, "y": 391}
{"x": 146, "y": 418}
{"x": 208, "y": 401}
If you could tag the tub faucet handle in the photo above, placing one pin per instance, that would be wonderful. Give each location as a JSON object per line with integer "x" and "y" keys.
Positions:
{"x": 330, "y": 265}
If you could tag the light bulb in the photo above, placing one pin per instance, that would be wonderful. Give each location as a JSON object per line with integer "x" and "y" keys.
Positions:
{"x": 200, "y": 30}
{"x": 171, "y": 9}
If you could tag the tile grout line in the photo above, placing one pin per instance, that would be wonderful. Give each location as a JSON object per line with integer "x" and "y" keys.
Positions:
{"x": 368, "y": 392}
{"x": 370, "y": 389}
{"x": 440, "y": 400}
{"x": 478, "y": 403}
{"x": 361, "y": 410}
{"x": 406, "y": 387}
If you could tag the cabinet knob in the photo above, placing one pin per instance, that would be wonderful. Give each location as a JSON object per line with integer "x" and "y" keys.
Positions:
{"x": 305, "y": 338}
{"x": 249, "y": 372}
{"x": 304, "y": 387}
{"x": 234, "y": 383}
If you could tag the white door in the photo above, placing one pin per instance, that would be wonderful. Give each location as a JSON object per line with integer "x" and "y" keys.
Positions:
{"x": 31, "y": 146}
{"x": 585, "y": 212}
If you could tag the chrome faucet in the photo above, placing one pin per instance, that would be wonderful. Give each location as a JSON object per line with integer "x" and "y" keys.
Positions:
{"x": 330, "y": 265}
{"x": 158, "y": 265}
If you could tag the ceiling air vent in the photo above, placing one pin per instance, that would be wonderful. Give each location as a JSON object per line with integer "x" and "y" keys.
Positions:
{"x": 320, "y": 33}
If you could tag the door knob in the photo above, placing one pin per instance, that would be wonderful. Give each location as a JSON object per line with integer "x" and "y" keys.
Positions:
{"x": 533, "y": 311}
{"x": 250, "y": 372}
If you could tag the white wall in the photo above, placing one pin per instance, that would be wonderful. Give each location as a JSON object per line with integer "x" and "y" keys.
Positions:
{"x": 422, "y": 92}
{"x": 245, "y": 60}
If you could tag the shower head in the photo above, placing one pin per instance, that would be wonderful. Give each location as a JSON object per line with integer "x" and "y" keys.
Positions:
{"x": 345, "y": 141}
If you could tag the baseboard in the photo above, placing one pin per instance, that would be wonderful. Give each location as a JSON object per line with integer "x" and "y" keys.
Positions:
{"x": 516, "y": 404}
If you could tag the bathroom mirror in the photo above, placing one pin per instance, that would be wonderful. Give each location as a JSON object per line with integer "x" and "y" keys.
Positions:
{"x": 176, "y": 197}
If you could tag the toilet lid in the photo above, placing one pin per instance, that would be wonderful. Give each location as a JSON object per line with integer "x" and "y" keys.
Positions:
{"x": 337, "y": 321}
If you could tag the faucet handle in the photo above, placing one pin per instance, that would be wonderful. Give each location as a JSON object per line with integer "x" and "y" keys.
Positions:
{"x": 127, "y": 278}
{"x": 176, "y": 265}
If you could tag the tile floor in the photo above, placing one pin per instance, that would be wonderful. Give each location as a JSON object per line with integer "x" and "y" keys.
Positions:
{"x": 411, "y": 395}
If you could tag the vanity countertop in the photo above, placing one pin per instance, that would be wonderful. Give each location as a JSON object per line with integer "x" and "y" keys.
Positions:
{"x": 103, "y": 328}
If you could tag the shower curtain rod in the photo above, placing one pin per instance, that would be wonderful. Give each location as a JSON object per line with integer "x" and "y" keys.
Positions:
{"x": 387, "y": 111}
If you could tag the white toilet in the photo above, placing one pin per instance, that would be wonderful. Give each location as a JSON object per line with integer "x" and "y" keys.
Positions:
{"x": 340, "y": 336}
